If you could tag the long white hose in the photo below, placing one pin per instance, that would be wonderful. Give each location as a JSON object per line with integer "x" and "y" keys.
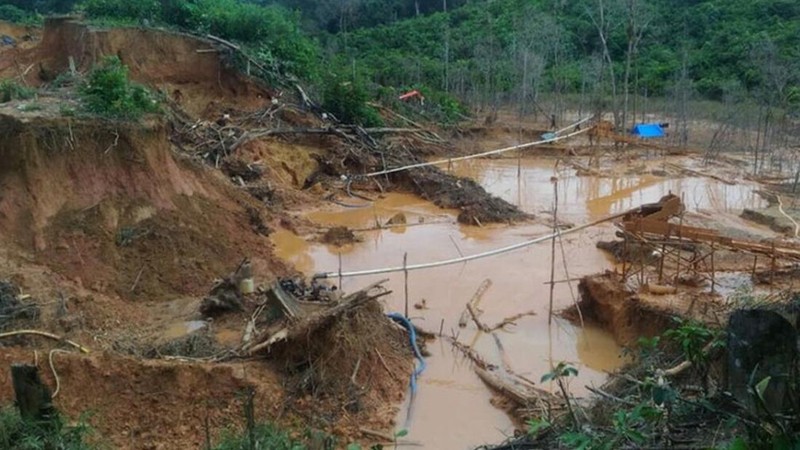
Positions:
{"x": 448, "y": 262}
{"x": 491, "y": 152}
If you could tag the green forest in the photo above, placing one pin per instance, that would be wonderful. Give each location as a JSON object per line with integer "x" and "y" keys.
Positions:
{"x": 499, "y": 53}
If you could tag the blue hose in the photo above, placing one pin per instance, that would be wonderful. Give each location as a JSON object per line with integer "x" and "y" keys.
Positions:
{"x": 403, "y": 320}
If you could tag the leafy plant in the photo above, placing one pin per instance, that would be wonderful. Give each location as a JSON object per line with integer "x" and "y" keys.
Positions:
{"x": 124, "y": 9}
{"x": 535, "y": 426}
{"x": 12, "y": 14}
{"x": 18, "y": 434}
{"x": 560, "y": 374}
{"x": 693, "y": 337}
{"x": 108, "y": 92}
{"x": 266, "y": 436}
{"x": 347, "y": 100}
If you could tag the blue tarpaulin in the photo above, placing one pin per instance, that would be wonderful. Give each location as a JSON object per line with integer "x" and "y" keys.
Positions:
{"x": 648, "y": 130}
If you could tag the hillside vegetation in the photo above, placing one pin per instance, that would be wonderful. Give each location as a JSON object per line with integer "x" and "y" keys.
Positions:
{"x": 501, "y": 52}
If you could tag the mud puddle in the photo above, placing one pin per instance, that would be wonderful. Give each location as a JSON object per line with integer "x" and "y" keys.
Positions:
{"x": 452, "y": 407}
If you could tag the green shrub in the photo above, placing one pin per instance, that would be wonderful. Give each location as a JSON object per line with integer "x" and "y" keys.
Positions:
{"x": 265, "y": 436}
{"x": 122, "y": 9}
{"x": 108, "y": 92}
{"x": 13, "y": 14}
{"x": 347, "y": 100}
{"x": 11, "y": 90}
{"x": 271, "y": 31}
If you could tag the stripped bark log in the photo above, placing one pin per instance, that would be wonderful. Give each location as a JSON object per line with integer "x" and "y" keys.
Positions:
{"x": 474, "y": 301}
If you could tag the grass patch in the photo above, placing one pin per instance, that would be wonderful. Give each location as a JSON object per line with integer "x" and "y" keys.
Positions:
{"x": 18, "y": 434}
{"x": 11, "y": 90}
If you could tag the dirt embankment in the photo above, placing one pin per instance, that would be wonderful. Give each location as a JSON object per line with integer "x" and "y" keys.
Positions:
{"x": 629, "y": 315}
{"x": 150, "y": 405}
{"x": 190, "y": 71}
{"x": 108, "y": 205}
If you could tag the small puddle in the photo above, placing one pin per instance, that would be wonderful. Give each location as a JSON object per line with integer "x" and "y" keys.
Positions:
{"x": 182, "y": 329}
{"x": 452, "y": 407}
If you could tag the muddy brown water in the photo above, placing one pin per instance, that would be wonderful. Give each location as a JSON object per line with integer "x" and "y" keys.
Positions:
{"x": 451, "y": 409}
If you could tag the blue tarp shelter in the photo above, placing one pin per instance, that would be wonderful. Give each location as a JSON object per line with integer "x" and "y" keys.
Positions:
{"x": 648, "y": 130}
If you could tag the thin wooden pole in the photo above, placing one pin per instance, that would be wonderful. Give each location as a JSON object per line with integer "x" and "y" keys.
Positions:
{"x": 405, "y": 273}
{"x": 340, "y": 272}
{"x": 625, "y": 257}
{"x": 661, "y": 263}
{"x": 755, "y": 264}
{"x": 553, "y": 249}
{"x": 680, "y": 249}
{"x": 772, "y": 271}
{"x": 713, "y": 273}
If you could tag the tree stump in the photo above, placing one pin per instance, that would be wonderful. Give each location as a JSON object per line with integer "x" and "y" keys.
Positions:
{"x": 761, "y": 344}
{"x": 33, "y": 398}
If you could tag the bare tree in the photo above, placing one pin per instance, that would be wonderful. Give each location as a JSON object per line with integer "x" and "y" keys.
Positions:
{"x": 638, "y": 20}
{"x": 605, "y": 17}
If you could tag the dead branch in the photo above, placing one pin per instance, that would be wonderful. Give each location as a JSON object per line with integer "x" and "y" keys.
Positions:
{"x": 481, "y": 326}
{"x": 511, "y": 320}
{"x": 476, "y": 298}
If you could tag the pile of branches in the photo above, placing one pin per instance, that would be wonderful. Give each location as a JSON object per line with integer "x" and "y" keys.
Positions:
{"x": 342, "y": 352}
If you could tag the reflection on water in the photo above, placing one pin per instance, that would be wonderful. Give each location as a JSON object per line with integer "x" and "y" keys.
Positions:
{"x": 588, "y": 198}
{"x": 519, "y": 283}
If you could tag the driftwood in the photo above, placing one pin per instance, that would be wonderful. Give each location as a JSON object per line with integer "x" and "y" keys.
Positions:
{"x": 505, "y": 381}
{"x": 513, "y": 388}
{"x": 303, "y": 327}
{"x": 474, "y": 314}
{"x": 511, "y": 320}
{"x": 476, "y": 298}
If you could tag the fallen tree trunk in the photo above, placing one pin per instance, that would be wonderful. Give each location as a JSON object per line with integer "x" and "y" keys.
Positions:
{"x": 514, "y": 388}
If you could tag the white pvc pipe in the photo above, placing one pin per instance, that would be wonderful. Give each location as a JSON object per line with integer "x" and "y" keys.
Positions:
{"x": 448, "y": 262}
{"x": 489, "y": 153}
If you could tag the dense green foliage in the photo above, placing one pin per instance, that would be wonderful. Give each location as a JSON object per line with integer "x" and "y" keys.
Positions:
{"x": 347, "y": 101}
{"x": 17, "y": 434}
{"x": 494, "y": 47}
{"x": 272, "y": 32}
{"x": 108, "y": 92}
{"x": 495, "y": 52}
{"x": 42, "y": 6}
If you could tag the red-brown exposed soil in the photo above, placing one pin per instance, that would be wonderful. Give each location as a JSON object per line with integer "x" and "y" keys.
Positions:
{"x": 188, "y": 70}
{"x": 629, "y": 315}
{"x": 151, "y": 404}
{"x": 117, "y": 235}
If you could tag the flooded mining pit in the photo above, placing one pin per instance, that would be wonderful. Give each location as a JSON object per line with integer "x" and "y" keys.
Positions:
{"x": 450, "y": 396}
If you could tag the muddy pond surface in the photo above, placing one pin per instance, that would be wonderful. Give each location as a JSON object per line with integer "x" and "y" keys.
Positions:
{"x": 451, "y": 409}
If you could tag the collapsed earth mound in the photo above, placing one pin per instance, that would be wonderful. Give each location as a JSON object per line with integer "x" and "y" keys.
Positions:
{"x": 107, "y": 203}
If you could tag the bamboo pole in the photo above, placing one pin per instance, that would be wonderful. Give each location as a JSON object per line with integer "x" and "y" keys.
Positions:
{"x": 553, "y": 249}
{"x": 405, "y": 274}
